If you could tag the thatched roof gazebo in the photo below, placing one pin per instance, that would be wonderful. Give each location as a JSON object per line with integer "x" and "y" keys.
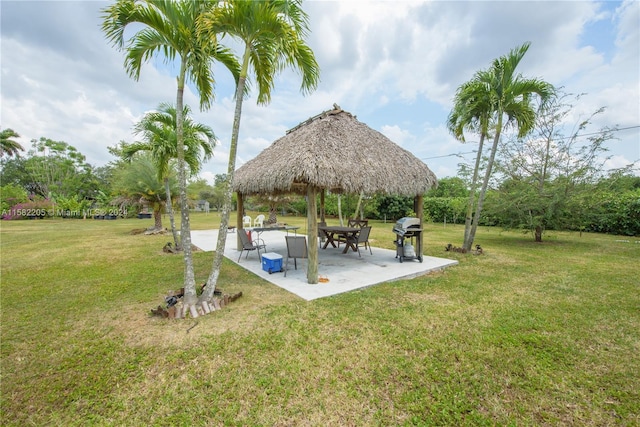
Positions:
{"x": 332, "y": 151}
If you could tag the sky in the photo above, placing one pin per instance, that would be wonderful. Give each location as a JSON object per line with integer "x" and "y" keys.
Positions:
{"x": 395, "y": 65}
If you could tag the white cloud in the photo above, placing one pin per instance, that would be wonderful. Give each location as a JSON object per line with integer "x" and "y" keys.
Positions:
{"x": 395, "y": 65}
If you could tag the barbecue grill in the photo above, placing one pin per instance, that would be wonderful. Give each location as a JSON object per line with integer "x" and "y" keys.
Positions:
{"x": 408, "y": 239}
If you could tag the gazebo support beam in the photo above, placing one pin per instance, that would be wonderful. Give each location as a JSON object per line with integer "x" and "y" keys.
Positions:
{"x": 312, "y": 235}
{"x": 418, "y": 208}
{"x": 239, "y": 223}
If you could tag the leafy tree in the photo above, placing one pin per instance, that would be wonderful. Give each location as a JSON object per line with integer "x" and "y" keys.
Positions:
{"x": 9, "y": 146}
{"x": 506, "y": 98}
{"x": 200, "y": 189}
{"x": 610, "y": 212}
{"x": 272, "y": 34}
{"x": 555, "y": 180}
{"x": 395, "y": 207}
{"x": 57, "y": 169}
{"x": 158, "y": 131}
{"x": 11, "y": 195}
{"x": 445, "y": 209}
{"x": 546, "y": 169}
{"x": 449, "y": 187}
{"x": 169, "y": 29}
{"x": 52, "y": 170}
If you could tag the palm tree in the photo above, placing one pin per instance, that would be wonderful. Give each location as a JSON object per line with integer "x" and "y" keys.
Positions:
{"x": 138, "y": 180}
{"x": 7, "y": 145}
{"x": 158, "y": 130}
{"x": 272, "y": 33}
{"x": 169, "y": 29}
{"x": 471, "y": 111}
{"x": 507, "y": 97}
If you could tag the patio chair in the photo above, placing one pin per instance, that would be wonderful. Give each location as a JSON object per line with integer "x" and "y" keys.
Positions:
{"x": 358, "y": 223}
{"x": 362, "y": 237}
{"x": 321, "y": 235}
{"x": 296, "y": 248}
{"x": 250, "y": 245}
{"x": 259, "y": 221}
{"x": 246, "y": 221}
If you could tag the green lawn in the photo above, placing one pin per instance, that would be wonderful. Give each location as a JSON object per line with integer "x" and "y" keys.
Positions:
{"x": 526, "y": 334}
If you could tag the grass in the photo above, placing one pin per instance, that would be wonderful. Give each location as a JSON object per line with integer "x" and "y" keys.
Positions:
{"x": 527, "y": 334}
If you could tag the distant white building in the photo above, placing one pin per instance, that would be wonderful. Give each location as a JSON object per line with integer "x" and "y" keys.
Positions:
{"x": 202, "y": 206}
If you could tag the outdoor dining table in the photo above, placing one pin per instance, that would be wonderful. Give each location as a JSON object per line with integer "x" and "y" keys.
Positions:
{"x": 339, "y": 234}
{"x": 287, "y": 228}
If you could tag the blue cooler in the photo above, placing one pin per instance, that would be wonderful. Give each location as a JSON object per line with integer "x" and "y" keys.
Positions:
{"x": 272, "y": 262}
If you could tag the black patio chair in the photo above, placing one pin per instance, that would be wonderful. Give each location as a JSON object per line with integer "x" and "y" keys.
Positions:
{"x": 358, "y": 223}
{"x": 296, "y": 248}
{"x": 250, "y": 245}
{"x": 360, "y": 238}
{"x": 321, "y": 235}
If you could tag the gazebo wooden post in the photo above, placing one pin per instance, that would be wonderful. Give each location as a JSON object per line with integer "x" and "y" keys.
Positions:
{"x": 312, "y": 235}
{"x": 418, "y": 208}
{"x": 239, "y": 223}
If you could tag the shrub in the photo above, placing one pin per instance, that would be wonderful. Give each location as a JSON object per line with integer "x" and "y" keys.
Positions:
{"x": 11, "y": 195}
{"x": 33, "y": 209}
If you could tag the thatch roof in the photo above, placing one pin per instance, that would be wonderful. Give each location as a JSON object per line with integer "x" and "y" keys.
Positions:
{"x": 334, "y": 151}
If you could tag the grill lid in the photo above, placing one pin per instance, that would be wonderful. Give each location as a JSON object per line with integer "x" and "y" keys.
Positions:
{"x": 406, "y": 224}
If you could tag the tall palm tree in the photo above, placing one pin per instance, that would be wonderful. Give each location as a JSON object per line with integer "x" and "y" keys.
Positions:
{"x": 169, "y": 29}
{"x": 7, "y": 145}
{"x": 471, "y": 111}
{"x": 272, "y": 33}
{"x": 508, "y": 99}
{"x": 158, "y": 131}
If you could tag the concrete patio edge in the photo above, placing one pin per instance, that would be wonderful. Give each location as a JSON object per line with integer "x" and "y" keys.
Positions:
{"x": 343, "y": 272}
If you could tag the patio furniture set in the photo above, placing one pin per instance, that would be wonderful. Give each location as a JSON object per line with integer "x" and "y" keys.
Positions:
{"x": 355, "y": 235}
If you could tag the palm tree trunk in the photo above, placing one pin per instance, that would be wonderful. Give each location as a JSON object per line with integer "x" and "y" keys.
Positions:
{"x": 190, "y": 296}
{"x": 340, "y": 210}
{"x": 538, "y": 233}
{"x": 212, "y": 280}
{"x": 472, "y": 196}
{"x": 172, "y": 219}
{"x": 273, "y": 213}
{"x": 157, "y": 216}
{"x": 485, "y": 183}
{"x": 358, "y": 207}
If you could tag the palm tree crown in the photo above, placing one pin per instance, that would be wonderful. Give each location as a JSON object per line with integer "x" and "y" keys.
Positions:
{"x": 170, "y": 30}
{"x": 7, "y": 145}
{"x": 273, "y": 33}
{"x": 158, "y": 131}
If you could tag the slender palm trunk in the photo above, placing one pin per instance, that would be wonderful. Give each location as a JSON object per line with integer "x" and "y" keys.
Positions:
{"x": 472, "y": 195}
{"x": 157, "y": 216}
{"x": 273, "y": 214}
{"x": 358, "y": 207}
{"x": 340, "y": 210}
{"x": 485, "y": 183}
{"x": 212, "y": 280}
{"x": 172, "y": 218}
{"x": 190, "y": 296}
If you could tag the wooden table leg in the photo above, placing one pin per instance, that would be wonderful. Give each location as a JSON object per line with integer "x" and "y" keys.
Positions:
{"x": 350, "y": 244}
{"x": 330, "y": 239}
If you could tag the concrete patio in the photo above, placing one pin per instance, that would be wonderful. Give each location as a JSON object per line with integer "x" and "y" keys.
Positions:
{"x": 345, "y": 272}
